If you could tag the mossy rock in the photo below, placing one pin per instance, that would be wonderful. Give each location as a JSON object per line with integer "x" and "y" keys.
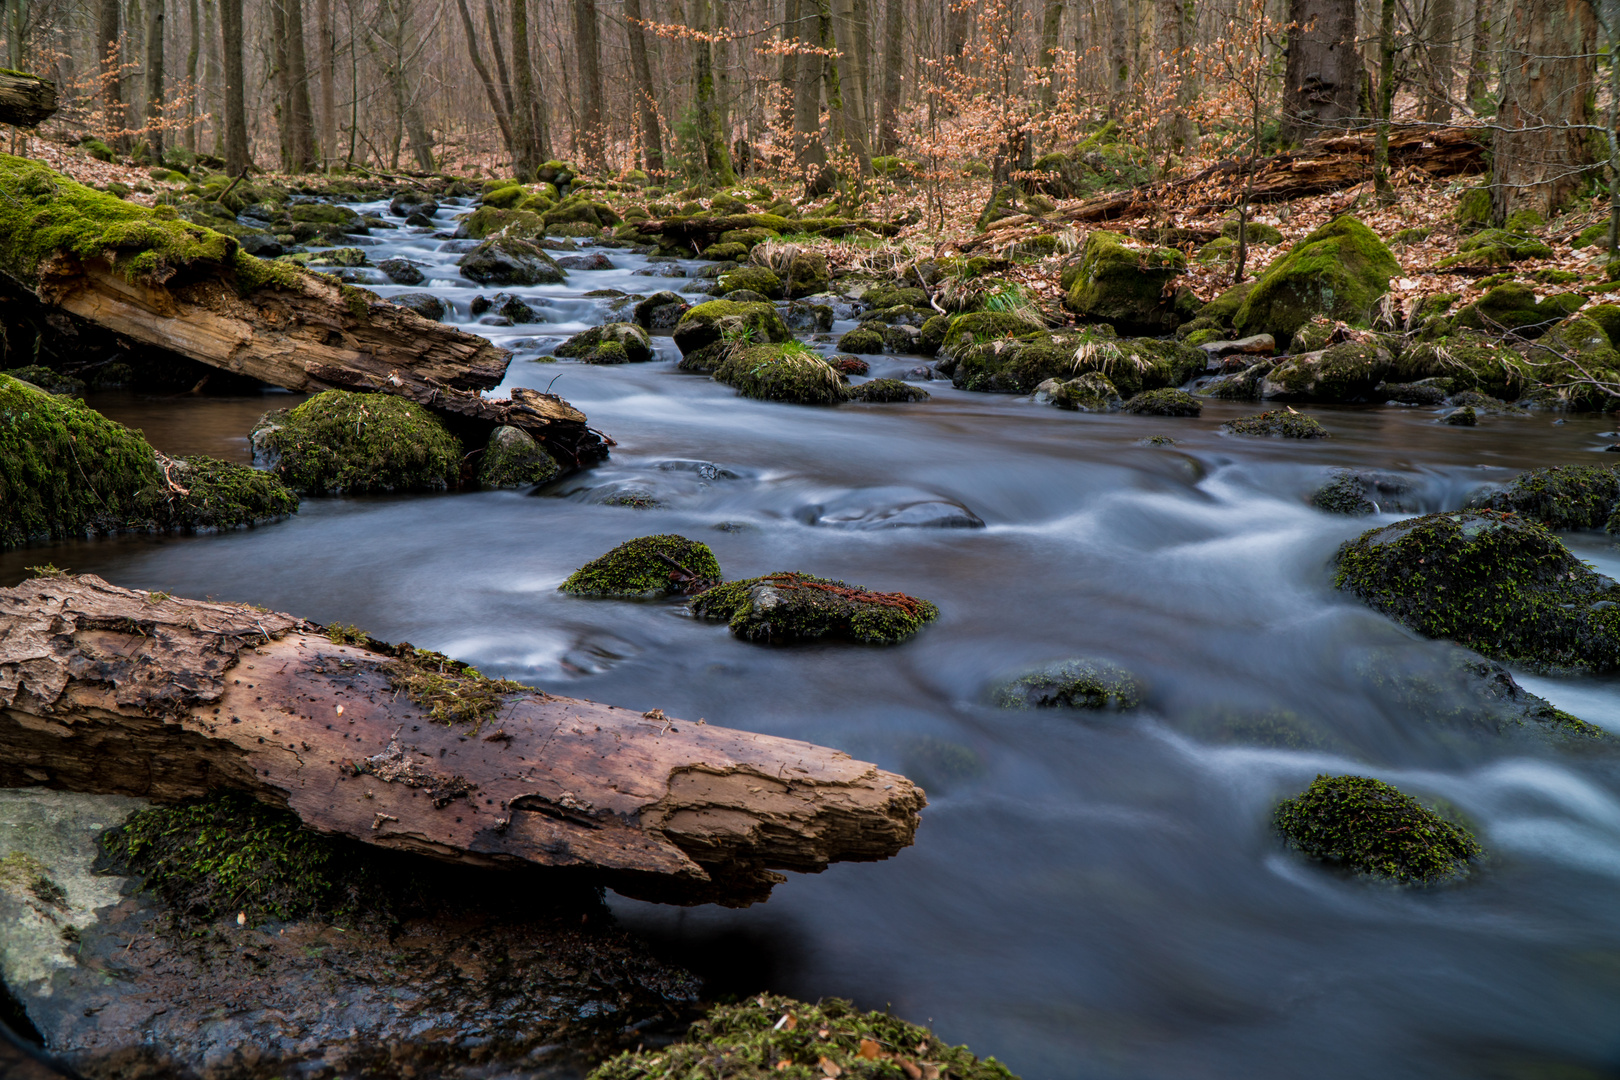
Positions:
{"x": 629, "y": 344}
{"x": 52, "y": 382}
{"x": 1344, "y": 494}
{"x": 1566, "y": 357}
{"x": 1497, "y": 583}
{"x": 709, "y": 323}
{"x": 1091, "y": 393}
{"x": 753, "y": 278}
{"x": 890, "y": 296}
{"x": 1258, "y": 232}
{"x": 770, "y": 1036}
{"x": 1127, "y": 288}
{"x": 1473, "y": 208}
{"x": 750, "y": 237}
{"x": 1020, "y": 365}
{"x": 343, "y": 443}
{"x": 514, "y": 459}
{"x": 1348, "y": 371}
{"x": 932, "y": 335}
{"x": 661, "y": 565}
{"x": 1368, "y": 827}
{"x": 660, "y": 311}
{"x": 1497, "y": 247}
{"x": 1165, "y": 401}
{"x": 1314, "y": 336}
{"x": 1514, "y": 307}
{"x": 979, "y": 328}
{"x": 725, "y": 252}
{"x": 807, "y": 274}
{"x": 328, "y": 214}
{"x": 1279, "y": 423}
{"x": 506, "y": 198}
{"x": 204, "y": 494}
{"x": 1465, "y": 361}
{"x": 1072, "y": 684}
{"x": 886, "y": 392}
{"x": 1341, "y": 270}
{"x": 488, "y": 221}
{"x": 787, "y": 372}
{"x": 866, "y": 340}
{"x": 1607, "y": 316}
{"x": 1560, "y": 497}
{"x": 507, "y": 260}
{"x": 788, "y": 607}
{"x": 1222, "y": 310}
{"x": 1219, "y": 250}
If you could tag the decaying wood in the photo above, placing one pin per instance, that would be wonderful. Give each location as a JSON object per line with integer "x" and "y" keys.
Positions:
{"x": 25, "y": 100}
{"x": 315, "y": 336}
{"x": 113, "y": 690}
{"x": 699, "y": 231}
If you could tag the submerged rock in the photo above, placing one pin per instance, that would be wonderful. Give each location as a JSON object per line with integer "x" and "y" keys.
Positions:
{"x": 1072, "y": 684}
{"x": 1279, "y": 423}
{"x": 790, "y": 373}
{"x": 890, "y": 508}
{"x": 1368, "y": 827}
{"x": 1561, "y": 497}
{"x": 886, "y": 391}
{"x": 514, "y": 459}
{"x": 664, "y": 564}
{"x": 1497, "y": 583}
{"x": 610, "y": 343}
{"x": 343, "y": 443}
{"x": 786, "y": 607}
{"x": 1357, "y": 493}
{"x": 1091, "y": 392}
{"x": 1165, "y": 401}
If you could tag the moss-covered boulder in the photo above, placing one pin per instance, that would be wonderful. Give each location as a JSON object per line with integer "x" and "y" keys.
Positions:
{"x": 717, "y": 320}
{"x": 1348, "y": 371}
{"x": 1497, "y": 247}
{"x": 1256, "y": 232}
{"x": 1497, "y": 583}
{"x": 1020, "y": 365}
{"x": 1561, "y": 497}
{"x": 343, "y": 443}
{"x": 1514, "y": 307}
{"x": 787, "y": 372}
{"x": 757, "y": 279}
{"x": 1128, "y": 287}
{"x": 1367, "y": 827}
{"x": 514, "y": 459}
{"x": 1072, "y": 684}
{"x": 661, "y": 565}
{"x": 506, "y": 196}
{"x": 1464, "y": 361}
{"x": 507, "y": 260}
{"x": 660, "y": 311}
{"x": 203, "y": 494}
{"x": 1166, "y": 401}
{"x": 885, "y": 392}
{"x": 489, "y": 221}
{"x": 1567, "y": 360}
{"x": 787, "y": 607}
{"x": 1090, "y": 392}
{"x": 610, "y": 343}
{"x": 1340, "y": 270}
{"x": 52, "y": 382}
{"x": 978, "y": 328}
{"x": 766, "y": 1036}
{"x": 1277, "y": 424}
{"x": 863, "y": 339}
{"x": 807, "y": 275}
{"x": 932, "y": 335}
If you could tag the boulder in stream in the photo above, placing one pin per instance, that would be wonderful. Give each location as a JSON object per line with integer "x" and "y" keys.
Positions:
{"x": 1129, "y": 288}
{"x": 788, "y": 372}
{"x": 343, "y": 443}
{"x": 1091, "y": 393}
{"x": 1560, "y": 497}
{"x": 1356, "y": 492}
{"x": 708, "y": 323}
{"x": 1072, "y": 684}
{"x": 1341, "y": 270}
{"x": 661, "y": 565}
{"x": 424, "y": 304}
{"x": 885, "y": 391}
{"x": 402, "y": 271}
{"x": 610, "y": 343}
{"x": 506, "y": 260}
{"x": 1165, "y": 401}
{"x": 1496, "y": 583}
{"x": 862, "y": 339}
{"x": 1277, "y": 424}
{"x": 1369, "y": 828}
{"x": 788, "y": 607}
{"x": 1348, "y": 371}
{"x": 514, "y": 459}
{"x": 1018, "y": 365}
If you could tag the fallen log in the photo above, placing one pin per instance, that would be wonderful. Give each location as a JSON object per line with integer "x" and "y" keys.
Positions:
{"x": 25, "y": 100}
{"x": 112, "y": 690}
{"x": 699, "y": 231}
{"x": 148, "y": 278}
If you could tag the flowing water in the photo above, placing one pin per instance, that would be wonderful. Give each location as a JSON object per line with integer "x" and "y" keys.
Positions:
{"x": 1088, "y": 896}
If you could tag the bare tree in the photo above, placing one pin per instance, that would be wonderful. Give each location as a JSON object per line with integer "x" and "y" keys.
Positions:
{"x": 1542, "y": 145}
{"x": 588, "y": 52}
{"x": 237, "y": 159}
{"x": 652, "y": 140}
{"x": 1323, "y": 78}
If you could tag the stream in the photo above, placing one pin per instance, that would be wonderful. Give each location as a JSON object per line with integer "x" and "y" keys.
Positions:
{"x": 1089, "y": 896}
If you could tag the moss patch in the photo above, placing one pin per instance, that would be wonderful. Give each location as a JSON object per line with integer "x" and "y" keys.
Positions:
{"x": 1344, "y": 494}
{"x": 513, "y": 459}
{"x": 452, "y": 692}
{"x": 344, "y": 443}
{"x": 1340, "y": 270}
{"x": 1091, "y": 392}
{"x": 788, "y": 372}
{"x": 886, "y": 392}
{"x": 610, "y": 343}
{"x": 771, "y": 1036}
{"x": 706, "y": 324}
{"x": 1561, "y": 497}
{"x": 1368, "y": 827}
{"x": 1279, "y": 423}
{"x": 1072, "y": 684}
{"x": 200, "y": 492}
{"x": 1497, "y": 583}
{"x": 1166, "y": 401}
{"x": 52, "y": 382}
{"x": 787, "y": 607}
{"x": 665, "y": 564}
{"x": 862, "y": 339}
{"x": 1127, "y": 287}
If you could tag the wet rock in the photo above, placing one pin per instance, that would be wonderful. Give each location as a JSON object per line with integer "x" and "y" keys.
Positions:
{"x": 1560, "y": 497}
{"x": 745, "y": 296}
{"x": 1369, "y": 828}
{"x": 707, "y": 324}
{"x": 594, "y": 261}
{"x": 862, "y": 339}
{"x": 1485, "y": 404}
{"x": 1349, "y": 371}
{"x": 660, "y": 311}
{"x": 789, "y": 373}
{"x": 409, "y": 202}
{"x": 1411, "y": 393}
{"x": 1166, "y": 401}
{"x": 849, "y": 365}
{"x": 402, "y": 271}
{"x": 1072, "y": 684}
{"x": 1018, "y": 365}
{"x": 417, "y": 219}
{"x": 1091, "y": 392}
{"x": 513, "y": 459}
{"x": 866, "y": 509}
{"x": 788, "y": 607}
{"x": 1341, "y": 270}
{"x": 1463, "y": 417}
{"x": 757, "y": 279}
{"x": 1355, "y": 493}
{"x": 495, "y": 320}
{"x": 1255, "y": 345}
{"x": 344, "y": 256}
{"x": 668, "y": 270}
{"x": 808, "y": 317}
{"x": 506, "y": 260}
{"x": 1129, "y": 288}
{"x": 342, "y": 443}
{"x": 610, "y": 343}
{"x": 661, "y": 565}
{"x": 513, "y": 308}
{"x": 1496, "y": 583}
{"x": 886, "y": 391}
{"x": 901, "y": 315}
{"x": 1280, "y": 423}
{"x": 262, "y": 245}
{"x": 899, "y": 338}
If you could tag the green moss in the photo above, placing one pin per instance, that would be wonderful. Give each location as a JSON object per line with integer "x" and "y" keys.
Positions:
{"x": 1315, "y": 335}
{"x": 1514, "y": 307}
{"x": 505, "y": 198}
{"x": 1607, "y": 317}
{"x": 344, "y": 443}
{"x": 788, "y": 606}
{"x": 1279, "y": 423}
{"x": 1348, "y": 371}
{"x": 1474, "y": 208}
{"x": 1090, "y": 392}
{"x": 886, "y": 391}
{"x": 1258, "y": 232}
{"x": 753, "y": 278}
{"x": 665, "y": 564}
{"x": 203, "y": 493}
{"x": 610, "y": 343}
{"x": 1222, "y": 310}
{"x": 1346, "y": 494}
{"x": 1463, "y": 417}
{"x": 1020, "y": 365}
{"x": 1340, "y": 270}
{"x": 862, "y": 339}
{"x": 933, "y": 335}
{"x": 1368, "y": 827}
{"x": 980, "y": 327}
{"x": 1465, "y": 361}
{"x": 52, "y": 382}
{"x": 1166, "y": 401}
{"x": 1496, "y": 583}
{"x": 514, "y": 459}
{"x": 788, "y": 372}
{"x": 769, "y": 1036}
{"x": 1561, "y": 497}
{"x": 888, "y": 296}
{"x": 486, "y": 221}
{"x": 1126, "y": 287}
{"x": 708, "y": 323}
{"x": 452, "y": 692}
{"x": 1497, "y": 247}
{"x": 807, "y": 274}
{"x": 1072, "y": 684}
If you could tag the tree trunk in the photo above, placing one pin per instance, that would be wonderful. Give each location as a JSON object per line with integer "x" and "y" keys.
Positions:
{"x": 1119, "y": 65}
{"x": 861, "y": 38}
{"x": 808, "y": 141}
{"x": 588, "y": 51}
{"x": 305, "y": 157}
{"x": 1479, "y": 56}
{"x": 1051, "y": 26}
{"x": 845, "y": 72}
{"x": 326, "y": 69}
{"x": 1442, "y": 60}
{"x": 25, "y": 100}
{"x": 1173, "y": 36}
{"x": 500, "y": 105}
{"x": 110, "y": 52}
{"x": 894, "y": 40}
{"x": 213, "y": 85}
{"x": 193, "y": 52}
{"x": 652, "y": 137}
{"x": 1323, "y": 75}
{"x": 135, "y": 60}
{"x": 237, "y": 160}
{"x": 127, "y": 692}
{"x": 1386, "y": 100}
{"x": 528, "y": 110}
{"x": 1542, "y": 147}
{"x": 713, "y": 156}
{"x": 154, "y": 79}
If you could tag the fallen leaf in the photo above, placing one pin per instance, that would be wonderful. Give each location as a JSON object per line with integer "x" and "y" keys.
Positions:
{"x": 823, "y": 1033}
{"x": 829, "y": 1068}
{"x": 870, "y": 1049}
{"x": 782, "y": 1066}
{"x": 910, "y": 1069}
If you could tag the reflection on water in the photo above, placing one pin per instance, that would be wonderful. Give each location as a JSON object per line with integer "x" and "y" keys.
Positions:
{"x": 1087, "y": 897}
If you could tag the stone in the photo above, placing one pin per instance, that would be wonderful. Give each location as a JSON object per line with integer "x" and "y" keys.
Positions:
{"x": 514, "y": 459}
{"x": 508, "y": 261}
{"x": 633, "y": 344}
{"x": 1341, "y": 270}
{"x": 401, "y": 271}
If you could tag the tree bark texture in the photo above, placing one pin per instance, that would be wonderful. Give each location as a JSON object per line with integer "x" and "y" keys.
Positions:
{"x": 193, "y": 53}
{"x": 109, "y": 48}
{"x": 588, "y": 52}
{"x": 713, "y": 156}
{"x": 326, "y": 69}
{"x": 154, "y": 78}
{"x": 1479, "y": 54}
{"x": 528, "y": 110}
{"x": 1323, "y": 75}
{"x": 850, "y": 82}
{"x": 652, "y": 137}
{"x": 113, "y": 690}
{"x": 25, "y": 100}
{"x": 1543, "y": 146}
{"x": 237, "y": 160}
{"x": 894, "y": 39}
{"x": 1441, "y": 51}
{"x": 1119, "y": 62}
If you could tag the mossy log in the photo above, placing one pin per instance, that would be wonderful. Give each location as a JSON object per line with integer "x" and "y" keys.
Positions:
{"x": 112, "y": 690}
{"x": 25, "y": 100}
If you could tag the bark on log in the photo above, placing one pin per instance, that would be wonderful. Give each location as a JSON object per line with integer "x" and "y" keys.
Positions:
{"x": 25, "y": 100}
{"x": 105, "y": 689}
{"x": 701, "y": 230}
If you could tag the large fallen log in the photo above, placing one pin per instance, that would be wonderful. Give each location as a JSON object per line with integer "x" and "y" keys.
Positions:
{"x": 25, "y": 100}
{"x": 113, "y": 690}
{"x": 147, "y": 278}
